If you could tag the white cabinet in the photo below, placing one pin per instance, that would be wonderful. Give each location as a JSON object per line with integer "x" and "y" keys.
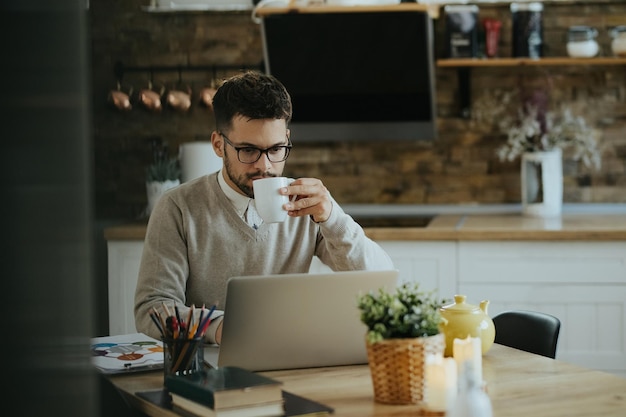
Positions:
{"x": 431, "y": 264}
{"x": 582, "y": 283}
{"x": 124, "y": 257}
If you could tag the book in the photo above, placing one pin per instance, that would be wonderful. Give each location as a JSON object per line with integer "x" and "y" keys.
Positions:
{"x": 126, "y": 353}
{"x": 294, "y": 405}
{"x": 195, "y": 409}
{"x": 297, "y": 406}
{"x": 225, "y": 387}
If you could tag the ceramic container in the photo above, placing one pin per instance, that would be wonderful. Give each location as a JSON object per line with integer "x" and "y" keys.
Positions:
{"x": 460, "y": 320}
{"x": 542, "y": 183}
{"x": 618, "y": 44}
{"x": 581, "y": 42}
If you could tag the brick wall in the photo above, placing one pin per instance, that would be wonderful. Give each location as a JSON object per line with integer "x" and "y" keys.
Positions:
{"x": 460, "y": 167}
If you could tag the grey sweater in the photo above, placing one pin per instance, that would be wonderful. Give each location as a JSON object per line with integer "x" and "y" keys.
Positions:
{"x": 195, "y": 241}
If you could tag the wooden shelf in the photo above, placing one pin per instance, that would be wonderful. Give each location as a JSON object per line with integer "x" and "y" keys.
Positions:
{"x": 197, "y": 8}
{"x": 432, "y": 9}
{"x": 465, "y": 65}
{"x": 518, "y": 62}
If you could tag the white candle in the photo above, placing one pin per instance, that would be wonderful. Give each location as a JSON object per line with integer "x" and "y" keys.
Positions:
{"x": 440, "y": 383}
{"x": 469, "y": 349}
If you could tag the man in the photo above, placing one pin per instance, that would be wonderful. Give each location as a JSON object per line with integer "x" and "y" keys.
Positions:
{"x": 205, "y": 231}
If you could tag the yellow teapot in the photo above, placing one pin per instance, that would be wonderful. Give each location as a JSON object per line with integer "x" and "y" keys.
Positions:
{"x": 461, "y": 319}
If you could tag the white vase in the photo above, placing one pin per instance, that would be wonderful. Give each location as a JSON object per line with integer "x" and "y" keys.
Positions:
{"x": 542, "y": 183}
{"x": 155, "y": 190}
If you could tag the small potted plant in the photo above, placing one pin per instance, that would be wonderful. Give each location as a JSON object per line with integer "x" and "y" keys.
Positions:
{"x": 162, "y": 170}
{"x": 403, "y": 327}
{"x": 161, "y": 175}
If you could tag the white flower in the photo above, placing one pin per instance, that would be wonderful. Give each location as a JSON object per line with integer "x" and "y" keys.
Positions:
{"x": 526, "y": 134}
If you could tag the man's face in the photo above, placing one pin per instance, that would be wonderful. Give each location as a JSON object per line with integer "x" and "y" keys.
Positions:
{"x": 261, "y": 134}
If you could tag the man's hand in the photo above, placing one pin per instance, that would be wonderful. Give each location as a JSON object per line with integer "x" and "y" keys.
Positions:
{"x": 311, "y": 199}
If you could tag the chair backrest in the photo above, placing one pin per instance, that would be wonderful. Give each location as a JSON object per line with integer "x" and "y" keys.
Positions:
{"x": 530, "y": 331}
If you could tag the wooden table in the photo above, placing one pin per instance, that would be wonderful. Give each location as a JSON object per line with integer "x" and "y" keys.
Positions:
{"x": 518, "y": 383}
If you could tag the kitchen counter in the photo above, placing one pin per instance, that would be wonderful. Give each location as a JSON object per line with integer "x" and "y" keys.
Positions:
{"x": 497, "y": 226}
{"x": 510, "y": 227}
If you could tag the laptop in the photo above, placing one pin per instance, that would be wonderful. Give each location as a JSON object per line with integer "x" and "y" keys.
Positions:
{"x": 291, "y": 321}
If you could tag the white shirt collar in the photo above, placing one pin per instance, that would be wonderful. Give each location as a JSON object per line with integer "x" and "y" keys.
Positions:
{"x": 239, "y": 201}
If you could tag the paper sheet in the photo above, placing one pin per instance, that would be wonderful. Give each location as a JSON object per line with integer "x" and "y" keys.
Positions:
{"x": 126, "y": 353}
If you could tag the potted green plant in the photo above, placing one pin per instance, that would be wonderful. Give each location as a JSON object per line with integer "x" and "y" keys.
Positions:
{"x": 162, "y": 170}
{"x": 161, "y": 175}
{"x": 403, "y": 327}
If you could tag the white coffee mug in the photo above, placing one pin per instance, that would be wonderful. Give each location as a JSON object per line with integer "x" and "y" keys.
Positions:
{"x": 268, "y": 201}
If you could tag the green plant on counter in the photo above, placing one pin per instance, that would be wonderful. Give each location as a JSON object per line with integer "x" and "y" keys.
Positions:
{"x": 163, "y": 170}
{"x": 404, "y": 313}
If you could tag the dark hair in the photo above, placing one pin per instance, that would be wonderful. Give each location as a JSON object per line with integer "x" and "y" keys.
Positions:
{"x": 251, "y": 94}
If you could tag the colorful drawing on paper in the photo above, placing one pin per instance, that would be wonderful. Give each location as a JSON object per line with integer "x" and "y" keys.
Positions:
{"x": 126, "y": 352}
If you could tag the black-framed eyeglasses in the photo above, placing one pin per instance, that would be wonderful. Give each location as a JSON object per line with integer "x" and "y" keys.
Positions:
{"x": 251, "y": 154}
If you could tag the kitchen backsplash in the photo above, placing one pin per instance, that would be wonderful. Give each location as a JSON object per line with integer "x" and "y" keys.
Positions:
{"x": 461, "y": 166}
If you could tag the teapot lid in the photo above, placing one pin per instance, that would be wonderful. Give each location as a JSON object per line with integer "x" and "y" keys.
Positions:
{"x": 581, "y": 33}
{"x": 618, "y": 31}
{"x": 460, "y": 306}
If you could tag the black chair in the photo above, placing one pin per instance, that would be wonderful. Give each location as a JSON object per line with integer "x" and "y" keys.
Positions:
{"x": 530, "y": 331}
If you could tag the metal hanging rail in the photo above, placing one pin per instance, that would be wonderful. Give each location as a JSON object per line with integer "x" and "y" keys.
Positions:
{"x": 119, "y": 68}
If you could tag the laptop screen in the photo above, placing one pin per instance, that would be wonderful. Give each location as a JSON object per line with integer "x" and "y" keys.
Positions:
{"x": 293, "y": 321}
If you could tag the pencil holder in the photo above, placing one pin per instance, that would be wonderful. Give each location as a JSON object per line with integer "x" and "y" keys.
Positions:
{"x": 182, "y": 356}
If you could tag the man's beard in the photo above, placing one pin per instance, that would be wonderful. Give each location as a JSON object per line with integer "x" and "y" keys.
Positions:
{"x": 242, "y": 180}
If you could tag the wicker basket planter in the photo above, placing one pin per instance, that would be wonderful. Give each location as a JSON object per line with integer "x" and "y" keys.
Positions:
{"x": 397, "y": 367}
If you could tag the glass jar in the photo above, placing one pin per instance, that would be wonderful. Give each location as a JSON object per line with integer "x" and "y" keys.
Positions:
{"x": 618, "y": 44}
{"x": 581, "y": 42}
{"x": 527, "y": 29}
